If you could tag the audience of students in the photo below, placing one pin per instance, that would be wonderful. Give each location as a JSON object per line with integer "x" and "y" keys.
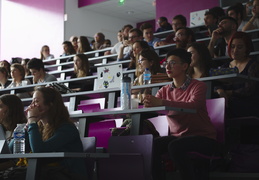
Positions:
{"x": 37, "y": 70}
{"x": 201, "y": 60}
{"x": 237, "y": 12}
{"x": 164, "y": 25}
{"x": 48, "y": 118}
{"x": 220, "y": 37}
{"x": 148, "y": 34}
{"x": 45, "y": 53}
{"x": 134, "y": 35}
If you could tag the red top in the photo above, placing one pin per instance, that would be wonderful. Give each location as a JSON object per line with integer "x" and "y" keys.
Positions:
{"x": 192, "y": 96}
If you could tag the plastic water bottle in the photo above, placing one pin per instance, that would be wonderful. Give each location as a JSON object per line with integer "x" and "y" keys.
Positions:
{"x": 19, "y": 139}
{"x": 147, "y": 76}
{"x": 126, "y": 93}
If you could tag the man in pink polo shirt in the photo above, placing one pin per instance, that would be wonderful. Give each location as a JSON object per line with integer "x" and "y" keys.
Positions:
{"x": 188, "y": 131}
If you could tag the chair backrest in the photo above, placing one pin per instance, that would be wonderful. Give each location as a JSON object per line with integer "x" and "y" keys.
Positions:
{"x": 89, "y": 146}
{"x": 130, "y": 158}
{"x": 100, "y": 101}
{"x": 101, "y": 130}
{"x": 216, "y": 112}
{"x": 161, "y": 125}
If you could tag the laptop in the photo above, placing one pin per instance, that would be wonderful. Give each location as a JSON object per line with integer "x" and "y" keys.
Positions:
{"x": 108, "y": 77}
{"x": 4, "y": 149}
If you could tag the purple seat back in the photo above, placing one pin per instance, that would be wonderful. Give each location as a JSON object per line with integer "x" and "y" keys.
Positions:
{"x": 131, "y": 158}
{"x": 86, "y": 108}
{"x": 216, "y": 112}
{"x": 101, "y": 130}
{"x": 89, "y": 146}
{"x": 100, "y": 101}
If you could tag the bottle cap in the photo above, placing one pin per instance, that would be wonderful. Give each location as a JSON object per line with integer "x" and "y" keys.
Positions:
{"x": 126, "y": 79}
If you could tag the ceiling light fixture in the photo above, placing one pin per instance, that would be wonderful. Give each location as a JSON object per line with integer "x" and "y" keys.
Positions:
{"x": 121, "y": 2}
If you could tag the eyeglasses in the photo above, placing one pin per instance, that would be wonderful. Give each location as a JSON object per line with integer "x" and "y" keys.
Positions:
{"x": 170, "y": 63}
{"x": 141, "y": 60}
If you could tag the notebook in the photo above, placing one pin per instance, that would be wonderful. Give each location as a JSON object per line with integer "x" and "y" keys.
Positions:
{"x": 108, "y": 77}
{"x": 4, "y": 149}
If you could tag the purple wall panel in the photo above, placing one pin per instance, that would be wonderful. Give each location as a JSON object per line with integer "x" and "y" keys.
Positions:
{"x": 82, "y": 3}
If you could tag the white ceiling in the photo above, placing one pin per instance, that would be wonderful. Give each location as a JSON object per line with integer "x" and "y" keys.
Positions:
{"x": 132, "y": 10}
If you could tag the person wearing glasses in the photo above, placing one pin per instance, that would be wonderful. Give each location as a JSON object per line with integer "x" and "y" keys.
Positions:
{"x": 253, "y": 23}
{"x": 164, "y": 25}
{"x": 177, "y": 22}
{"x": 189, "y": 132}
{"x": 134, "y": 35}
{"x": 147, "y": 59}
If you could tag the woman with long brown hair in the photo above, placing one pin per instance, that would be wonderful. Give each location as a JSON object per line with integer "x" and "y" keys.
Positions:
{"x": 51, "y": 130}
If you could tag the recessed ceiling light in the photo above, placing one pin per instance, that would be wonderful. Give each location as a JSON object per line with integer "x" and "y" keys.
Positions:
{"x": 130, "y": 12}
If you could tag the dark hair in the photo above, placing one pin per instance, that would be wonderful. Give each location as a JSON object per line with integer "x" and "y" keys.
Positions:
{"x": 218, "y": 11}
{"x": 238, "y": 9}
{"x": 182, "y": 54}
{"x": 145, "y": 26}
{"x": 85, "y": 66}
{"x": 84, "y": 45}
{"x": 71, "y": 49}
{"x": 143, "y": 45}
{"x": 35, "y": 63}
{"x": 8, "y": 65}
{"x": 15, "y": 112}
{"x": 126, "y": 26}
{"x": 4, "y": 71}
{"x": 181, "y": 18}
{"x": 163, "y": 18}
{"x": 205, "y": 58}
{"x": 230, "y": 19}
{"x": 189, "y": 32}
{"x": 212, "y": 14}
{"x": 101, "y": 35}
{"x": 138, "y": 31}
{"x": 152, "y": 56}
{"x": 247, "y": 41}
